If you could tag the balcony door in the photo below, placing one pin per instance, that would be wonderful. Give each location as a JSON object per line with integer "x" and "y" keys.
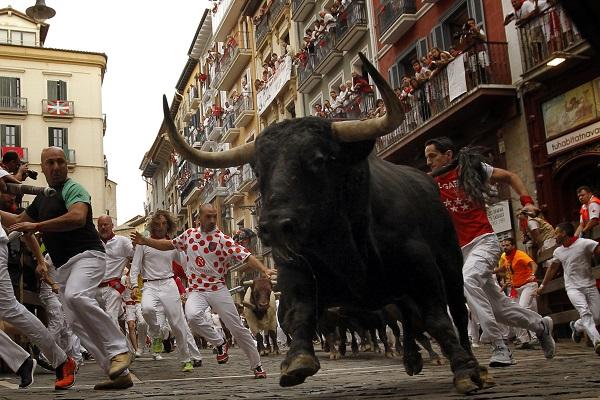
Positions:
{"x": 10, "y": 135}
{"x": 57, "y": 90}
{"x": 10, "y": 92}
{"x": 58, "y": 137}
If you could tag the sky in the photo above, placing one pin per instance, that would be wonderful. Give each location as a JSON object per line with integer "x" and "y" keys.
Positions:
{"x": 146, "y": 43}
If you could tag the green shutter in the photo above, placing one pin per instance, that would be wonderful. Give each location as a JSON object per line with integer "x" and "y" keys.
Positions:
{"x": 65, "y": 133}
{"x": 18, "y": 136}
{"x": 62, "y": 90}
{"x": 3, "y": 135}
{"x": 52, "y": 90}
{"x": 50, "y": 137}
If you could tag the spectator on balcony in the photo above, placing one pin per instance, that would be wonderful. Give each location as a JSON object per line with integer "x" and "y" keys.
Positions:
{"x": 319, "y": 111}
{"x": 439, "y": 58}
{"x": 335, "y": 8}
{"x": 523, "y": 8}
{"x": 360, "y": 84}
{"x": 454, "y": 52}
{"x": 422, "y": 74}
{"x": 344, "y": 96}
{"x": 228, "y": 109}
{"x": 473, "y": 42}
{"x": 334, "y": 101}
{"x": 258, "y": 85}
{"x": 217, "y": 112}
{"x": 244, "y": 85}
{"x": 378, "y": 111}
{"x": 233, "y": 96}
{"x": 426, "y": 63}
{"x": 230, "y": 42}
{"x": 329, "y": 21}
{"x": 421, "y": 100}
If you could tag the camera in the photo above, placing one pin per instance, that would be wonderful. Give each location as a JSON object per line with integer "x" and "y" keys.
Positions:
{"x": 31, "y": 174}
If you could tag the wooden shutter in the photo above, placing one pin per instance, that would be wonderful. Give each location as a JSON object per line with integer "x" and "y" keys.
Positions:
{"x": 52, "y": 90}
{"x": 17, "y": 135}
{"x": 62, "y": 90}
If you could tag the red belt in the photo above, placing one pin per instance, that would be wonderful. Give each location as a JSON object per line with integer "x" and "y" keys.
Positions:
{"x": 110, "y": 283}
{"x": 130, "y": 303}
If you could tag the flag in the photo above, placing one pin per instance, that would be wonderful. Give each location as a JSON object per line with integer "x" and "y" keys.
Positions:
{"x": 58, "y": 107}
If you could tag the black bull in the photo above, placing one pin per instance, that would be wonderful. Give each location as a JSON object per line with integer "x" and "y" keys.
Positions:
{"x": 349, "y": 229}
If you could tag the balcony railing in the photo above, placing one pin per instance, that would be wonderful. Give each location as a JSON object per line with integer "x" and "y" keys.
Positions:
{"x": 485, "y": 63}
{"x": 189, "y": 185}
{"x": 307, "y": 68}
{"x": 233, "y": 183}
{"x": 324, "y": 47}
{"x": 394, "y": 11}
{"x": 228, "y": 121}
{"x": 544, "y": 34}
{"x": 262, "y": 29}
{"x": 301, "y": 9}
{"x": 276, "y": 7}
{"x": 58, "y": 108}
{"x": 236, "y": 55}
{"x": 355, "y": 14}
{"x": 13, "y": 104}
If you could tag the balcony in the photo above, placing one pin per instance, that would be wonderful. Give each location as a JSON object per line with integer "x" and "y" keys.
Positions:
{"x": 483, "y": 75}
{"x": 213, "y": 189}
{"x": 546, "y": 36}
{"x": 199, "y": 139}
{"x": 327, "y": 54}
{"x": 13, "y": 105}
{"x": 22, "y": 152}
{"x": 248, "y": 179}
{"x": 301, "y": 9}
{"x": 233, "y": 62}
{"x": 308, "y": 78}
{"x": 395, "y": 19}
{"x": 276, "y": 10}
{"x": 58, "y": 108}
{"x": 261, "y": 31}
{"x": 189, "y": 113}
{"x": 230, "y": 132}
{"x": 213, "y": 129}
{"x": 244, "y": 110}
{"x": 352, "y": 25}
{"x": 194, "y": 98}
{"x": 225, "y": 18}
{"x": 233, "y": 189}
{"x": 190, "y": 188}
{"x": 208, "y": 145}
{"x": 274, "y": 86}
{"x": 71, "y": 159}
{"x": 208, "y": 95}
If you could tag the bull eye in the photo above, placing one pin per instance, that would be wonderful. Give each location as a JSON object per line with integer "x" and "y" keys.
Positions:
{"x": 317, "y": 162}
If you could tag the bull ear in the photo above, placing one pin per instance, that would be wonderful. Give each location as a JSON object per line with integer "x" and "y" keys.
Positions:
{"x": 353, "y": 152}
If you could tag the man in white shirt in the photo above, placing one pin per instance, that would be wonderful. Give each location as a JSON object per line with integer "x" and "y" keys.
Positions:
{"x": 589, "y": 214}
{"x": 575, "y": 255}
{"x": 156, "y": 268}
{"x": 119, "y": 252}
{"x": 209, "y": 254}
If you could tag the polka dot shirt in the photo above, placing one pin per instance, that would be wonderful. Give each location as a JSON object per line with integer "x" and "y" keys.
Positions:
{"x": 208, "y": 257}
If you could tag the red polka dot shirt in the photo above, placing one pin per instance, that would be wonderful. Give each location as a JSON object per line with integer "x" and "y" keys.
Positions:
{"x": 208, "y": 257}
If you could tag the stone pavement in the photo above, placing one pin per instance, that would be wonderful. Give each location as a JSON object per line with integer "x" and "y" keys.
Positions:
{"x": 573, "y": 374}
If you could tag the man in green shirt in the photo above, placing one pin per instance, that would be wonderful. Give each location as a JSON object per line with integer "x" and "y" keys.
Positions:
{"x": 66, "y": 224}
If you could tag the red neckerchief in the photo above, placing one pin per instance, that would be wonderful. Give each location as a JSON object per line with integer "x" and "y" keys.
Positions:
{"x": 510, "y": 256}
{"x": 110, "y": 237}
{"x": 570, "y": 241}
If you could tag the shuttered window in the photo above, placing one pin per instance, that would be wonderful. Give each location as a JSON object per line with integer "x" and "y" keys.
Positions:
{"x": 58, "y": 137}
{"x": 10, "y": 135}
{"x": 475, "y": 9}
{"x": 10, "y": 87}
{"x": 57, "y": 90}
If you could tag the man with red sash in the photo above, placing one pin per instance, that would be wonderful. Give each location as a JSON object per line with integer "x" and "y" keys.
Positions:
{"x": 463, "y": 184}
{"x": 589, "y": 214}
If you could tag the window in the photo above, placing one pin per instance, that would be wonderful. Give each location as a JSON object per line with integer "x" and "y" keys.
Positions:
{"x": 10, "y": 87}
{"x": 58, "y": 137}
{"x": 3, "y": 36}
{"x": 57, "y": 90}
{"x": 11, "y": 135}
{"x": 22, "y": 38}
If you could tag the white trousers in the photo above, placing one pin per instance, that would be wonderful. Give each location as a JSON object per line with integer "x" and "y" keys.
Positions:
{"x": 110, "y": 300}
{"x": 483, "y": 292}
{"x": 528, "y": 300}
{"x": 57, "y": 325}
{"x": 164, "y": 292}
{"x": 79, "y": 279}
{"x": 221, "y": 302}
{"x": 17, "y": 315}
{"x": 133, "y": 312}
{"x": 587, "y": 303}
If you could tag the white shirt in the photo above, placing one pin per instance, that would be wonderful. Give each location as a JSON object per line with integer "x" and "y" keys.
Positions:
{"x": 152, "y": 264}
{"x": 208, "y": 257}
{"x": 118, "y": 252}
{"x": 577, "y": 263}
{"x": 526, "y": 8}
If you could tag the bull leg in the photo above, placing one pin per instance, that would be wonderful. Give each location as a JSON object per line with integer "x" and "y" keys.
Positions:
{"x": 412, "y": 360}
{"x": 396, "y": 331}
{"x": 426, "y": 344}
{"x": 432, "y": 307}
{"x": 384, "y": 340}
{"x": 343, "y": 340}
{"x": 354, "y": 344}
{"x": 373, "y": 334}
{"x": 260, "y": 344}
{"x": 268, "y": 348}
{"x": 298, "y": 311}
{"x": 273, "y": 334}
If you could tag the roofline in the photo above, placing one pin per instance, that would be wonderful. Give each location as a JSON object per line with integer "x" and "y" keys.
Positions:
{"x": 186, "y": 74}
{"x": 206, "y": 11}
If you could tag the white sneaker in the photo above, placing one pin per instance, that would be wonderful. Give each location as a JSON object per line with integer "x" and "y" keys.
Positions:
{"x": 546, "y": 339}
{"x": 156, "y": 356}
{"x": 139, "y": 352}
{"x": 501, "y": 357}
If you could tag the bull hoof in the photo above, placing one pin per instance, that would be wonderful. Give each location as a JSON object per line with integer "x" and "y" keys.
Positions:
{"x": 486, "y": 377}
{"x": 468, "y": 381}
{"x": 437, "y": 360}
{"x": 413, "y": 364}
{"x": 376, "y": 350}
{"x": 295, "y": 371}
{"x": 390, "y": 354}
{"x": 465, "y": 385}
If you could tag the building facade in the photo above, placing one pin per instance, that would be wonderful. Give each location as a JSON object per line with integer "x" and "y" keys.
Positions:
{"x": 52, "y": 97}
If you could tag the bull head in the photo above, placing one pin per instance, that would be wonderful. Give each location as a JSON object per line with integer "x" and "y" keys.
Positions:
{"x": 344, "y": 131}
{"x": 261, "y": 294}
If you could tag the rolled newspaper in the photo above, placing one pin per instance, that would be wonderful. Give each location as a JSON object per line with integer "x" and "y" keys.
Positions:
{"x": 16, "y": 188}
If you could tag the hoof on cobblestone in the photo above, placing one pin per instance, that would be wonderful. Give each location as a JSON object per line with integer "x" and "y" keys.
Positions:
{"x": 390, "y": 354}
{"x": 413, "y": 364}
{"x": 464, "y": 385}
{"x": 486, "y": 377}
{"x": 296, "y": 371}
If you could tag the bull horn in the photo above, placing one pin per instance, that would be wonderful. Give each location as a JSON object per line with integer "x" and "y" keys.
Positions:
{"x": 371, "y": 129}
{"x": 239, "y": 155}
{"x": 248, "y": 283}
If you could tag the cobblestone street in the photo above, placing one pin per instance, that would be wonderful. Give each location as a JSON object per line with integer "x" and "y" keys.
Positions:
{"x": 573, "y": 374}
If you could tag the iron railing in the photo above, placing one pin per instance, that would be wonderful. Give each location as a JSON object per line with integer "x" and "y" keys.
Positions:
{"x": 544, "y": 34}
{"x": 228, "y": 121}
{"x": 354, "y": 14}
{"x": 392, "y": 10}
{"x": 18, "y": 104}
{"x": 305, "y": 69}
{"x": 262, "y": 29}
{"x": 232, "y": 49}
{"x": 243, "y": 103}
{"x": 484, "y": 63}
{"x": 233, "y": 183}
{"x": 190, "y": 184}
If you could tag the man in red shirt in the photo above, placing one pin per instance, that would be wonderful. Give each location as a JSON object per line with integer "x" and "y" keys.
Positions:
{"x": 209, "y": 253}
{"x": 522, "y": 270}
{"x": 589, "y": 212}
{"x": 463, "y": 184}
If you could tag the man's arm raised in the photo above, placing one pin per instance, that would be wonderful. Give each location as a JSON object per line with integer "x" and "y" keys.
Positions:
{"x": 159, "y": 244}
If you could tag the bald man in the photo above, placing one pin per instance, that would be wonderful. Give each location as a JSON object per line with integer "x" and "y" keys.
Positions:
{"x": 209, "y": 253}
{"x": 119, "y": 252}
{"x": 66, "y": 224}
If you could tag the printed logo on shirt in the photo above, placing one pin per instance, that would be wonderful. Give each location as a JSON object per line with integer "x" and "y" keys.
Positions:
{"x": 212, "y": 246}
{"x": 200, "y": 261}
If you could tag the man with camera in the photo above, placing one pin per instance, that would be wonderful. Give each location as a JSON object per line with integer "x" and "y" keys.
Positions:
{"x": 20, "y": 170}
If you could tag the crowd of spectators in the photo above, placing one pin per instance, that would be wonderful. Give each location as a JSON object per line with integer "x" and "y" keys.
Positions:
{"x": 270, "y": 66}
